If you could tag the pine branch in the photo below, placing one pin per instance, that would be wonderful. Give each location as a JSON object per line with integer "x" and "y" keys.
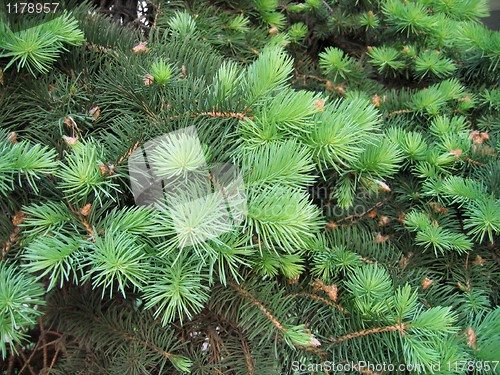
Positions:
{"x": 83, "y": 220}
{"x": 248, "y": 358}
{"x": 331, "y": 225}
{"x": 228, "y": 290}
{"x": 261, "y": 307}
{"x": 13, "y": 238}
{"x": 318, "y": 298}
{"x": 395, "y": 328}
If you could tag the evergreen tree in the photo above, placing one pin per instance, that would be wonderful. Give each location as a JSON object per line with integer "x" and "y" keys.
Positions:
{"x": 250, "y": 187}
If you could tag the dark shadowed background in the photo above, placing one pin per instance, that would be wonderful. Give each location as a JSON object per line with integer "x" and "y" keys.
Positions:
{"x": 133, "y": 11}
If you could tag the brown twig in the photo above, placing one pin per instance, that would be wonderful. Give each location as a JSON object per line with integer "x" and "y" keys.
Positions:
{"x": 146, "y": 342}
{"x": 397, "y": 327}
{"x": 304, "y": 76}
{"x": 16, "y": 220}
{"x": 128, "y": 153}
{"x": 367, "y": 260}
{"x": 311, "y": 349}
{"x": 238, "y": 115}
{"x": 318, "y": 298}
{"x": 469, "y": 160}
{"x": 354, "y": 216}
{"x": 261, "y": 307}
{"x": 397, "y": 112}
{"x": 54, "y": 359}
{"x": 12, "y": 359}
{"x": 41, "y": 339}
{"x": 248, "y": 357}
{"x": 54, "y": 333}
{"x": 26, "y": 362}
{"x": 82, "y": 220}
{"x": 216, "y": 113}
{"x": 44, "y": 341}
{"x": 44, "y": 346}
{"x": 363, "y": 371}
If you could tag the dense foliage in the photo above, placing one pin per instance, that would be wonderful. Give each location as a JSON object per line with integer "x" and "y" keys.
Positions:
{"x": 362, "y": 226}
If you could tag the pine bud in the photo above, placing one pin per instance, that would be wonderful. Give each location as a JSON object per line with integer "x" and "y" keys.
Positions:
{"x": 382, "y": 185}
{"x": 384, "y": 220}
{"x": 85, "y": 210}
{"x": 70, "y": 140}
{"x": 381, "y": 238}
{"x": 103, "y": 169}
{"x": 471, "y": 337}
{"x": 427, "y": 283}
{"x": 141, "y": 47}
{"x": 148, "y": 79}
{"x": 313, "y": 342}
{"x": 95, "y": 112}
{"x": 18, "y": 219}
{"x": 456, "y": 152}
{"x": 12, "y": 137}
{"x": 479, "y": 260}
{"x": 319, "y": 104}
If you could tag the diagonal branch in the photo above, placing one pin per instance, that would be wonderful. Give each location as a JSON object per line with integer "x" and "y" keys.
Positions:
{"x": 261, "y": 307}
{"x": 397, "y": 327}
{"x": 318, "y": 298}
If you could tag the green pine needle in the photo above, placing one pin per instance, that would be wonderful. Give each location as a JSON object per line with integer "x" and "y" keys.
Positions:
{"x": 176, "y": 290}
